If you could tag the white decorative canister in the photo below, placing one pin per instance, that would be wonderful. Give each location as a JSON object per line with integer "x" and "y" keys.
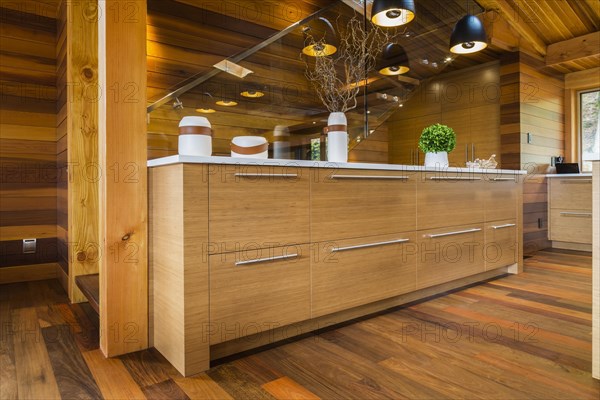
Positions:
{"x": 281, "y": 143}
{"x": 195, "y": 137}
{"x": 439, "y": 159}
{"x": 249, "y": 147}
{"x": 337, "y": 137}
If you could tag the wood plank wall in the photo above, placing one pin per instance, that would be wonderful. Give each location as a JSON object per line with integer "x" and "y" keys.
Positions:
{"x": 372, "y": 150}
{"x": 466, "y": 100}
{"x": 532, "y": 102}
{"x": 62, "y": 203}
{"x": 28, "y": 192}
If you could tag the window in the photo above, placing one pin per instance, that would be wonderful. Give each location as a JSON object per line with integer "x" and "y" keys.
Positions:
{"x": 589, "y": 128}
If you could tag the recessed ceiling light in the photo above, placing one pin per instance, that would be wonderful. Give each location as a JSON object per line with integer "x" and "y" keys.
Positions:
{"x": 252, "y": 93}
{"x": 205, "y": 110}
{"x": 226, "y": 103}
{"x": 448, "y": 59}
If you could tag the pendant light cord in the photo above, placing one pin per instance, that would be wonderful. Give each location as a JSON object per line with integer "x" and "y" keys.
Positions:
{"x": 366, "y": 100}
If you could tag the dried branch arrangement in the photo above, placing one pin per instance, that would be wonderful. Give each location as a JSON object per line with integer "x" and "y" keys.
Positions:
{"x": 337, "y": 78}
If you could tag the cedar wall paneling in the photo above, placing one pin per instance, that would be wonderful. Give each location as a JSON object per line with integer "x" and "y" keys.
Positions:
{"x": 532, "y": 102}
{"x": 28, "y": 190}
{"x": 467, "y": 100}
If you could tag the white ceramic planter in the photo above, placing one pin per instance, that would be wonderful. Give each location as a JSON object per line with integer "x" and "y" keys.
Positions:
{"x": 249, "y": 147}
{"x": 194, "y": 144}
{"x": 337, "y": 140}
{"x": 439, "y": 159}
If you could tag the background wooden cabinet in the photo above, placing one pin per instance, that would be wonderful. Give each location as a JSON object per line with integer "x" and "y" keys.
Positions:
{"x": 570, "y": 212}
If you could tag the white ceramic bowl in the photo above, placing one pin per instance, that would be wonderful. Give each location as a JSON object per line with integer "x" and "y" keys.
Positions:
{"x": 248, "y": 142}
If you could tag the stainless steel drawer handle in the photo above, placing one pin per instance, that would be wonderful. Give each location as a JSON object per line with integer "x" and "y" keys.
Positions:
{"x": 362, "y": 246}
{"x": 504, "y": 179}
{"x": 503, "y": 226}
{"x": 571, "y": 181}
{"x": 260, "y": 260}
{"x": 576, "y": 214}
{"x": 383, "y": 177}
{"x": 454, "y": 178}
{"x": 258, "y": 175}
{"x": 437, "y": 235}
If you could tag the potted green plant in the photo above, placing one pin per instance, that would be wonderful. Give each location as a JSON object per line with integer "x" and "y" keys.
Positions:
{"x": 436, "y": 142}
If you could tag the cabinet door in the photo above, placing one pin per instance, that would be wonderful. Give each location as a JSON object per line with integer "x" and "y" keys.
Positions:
{"x": 501, "y": 196}
{"x": 449, "y": 198}
{"x": 257, "y": 205}
{"x": 358, "y": 203}
{"x": 351, "y": 273}
{"x": 450, "y": 253}
{"x": 569, "y": 225}
{"x": 501, "y": 244}
{"x": 257, "y": 290}
{"x": 571, "y": 193}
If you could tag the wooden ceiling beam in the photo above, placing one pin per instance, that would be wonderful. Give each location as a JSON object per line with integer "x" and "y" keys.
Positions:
{"x": 520, "y": 25}
{"x": 573, "y": 49}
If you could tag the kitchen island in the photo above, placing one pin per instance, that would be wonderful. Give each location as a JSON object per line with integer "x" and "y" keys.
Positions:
{"x": 247, "y": 252}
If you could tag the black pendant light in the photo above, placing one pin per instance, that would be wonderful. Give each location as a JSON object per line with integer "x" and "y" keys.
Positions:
{"x": 394, "y": 60}
{"x": 468, "y": 35}
{"x": 392, "y": 12}
{"x": 319, "y": 38}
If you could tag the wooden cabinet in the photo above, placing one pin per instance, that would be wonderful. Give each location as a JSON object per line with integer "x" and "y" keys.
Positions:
{"x": 357, "y": 203}
{"x": 257, "y": 290}
{"x": 252, "y": 205}
{"x": 449, "y": 253}
{"x": 570, "y": 212}
{"x": 501, "y": 193}
{"x": 447, "y": 199}
{"x": 350, "y": 273}
{"x": 501, "y": 244}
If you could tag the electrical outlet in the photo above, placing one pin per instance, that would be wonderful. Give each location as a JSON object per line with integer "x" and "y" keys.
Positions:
{"x": 29, "y": 246}
{"x": 529, "y": 138}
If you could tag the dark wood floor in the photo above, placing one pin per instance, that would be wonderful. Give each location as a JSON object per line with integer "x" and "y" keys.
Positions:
{"x": 519, "y": 337}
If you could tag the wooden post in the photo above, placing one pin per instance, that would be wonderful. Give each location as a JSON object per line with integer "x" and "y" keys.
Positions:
{"x": 123, "y": 187}
{"x": 596, "y": 272}
{"x": 79, "y": 36}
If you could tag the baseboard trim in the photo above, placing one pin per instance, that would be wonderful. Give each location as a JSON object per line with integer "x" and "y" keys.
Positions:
{"x": 28, "y": 273}
{"x": 571, "y": 246}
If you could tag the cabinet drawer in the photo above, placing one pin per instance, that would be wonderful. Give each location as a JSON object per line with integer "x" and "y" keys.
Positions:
{"x": 571, "y": 193}
{"x": 350, "y": 273}
{"x": 501, "y": 244}
{"x": 450, "y": 253}
{"x": 501, "y": 197}
{"x": 569, "y": 225}
{"x": 253, "y": 291}
{"x": 449, "y": 199}
{"x": 351, "y": 203}
{"x": 257, "y": 205}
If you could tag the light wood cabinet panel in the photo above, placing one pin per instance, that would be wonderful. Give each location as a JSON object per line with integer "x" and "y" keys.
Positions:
{"x": 257, "y": 290}
{"x": 251, "y": 205}
{"x": 450, "y": 253}
{"x": 568, "y": 225}
{"x": 357, "y": 203}
{"x": 354, "y": 272}
{"x": 459, "y": 121}
{"x": 501, "y": 197}
{"x": 447, "y": 199}
{"x": 571, "y": 193}
{"x": 501, "y": 244}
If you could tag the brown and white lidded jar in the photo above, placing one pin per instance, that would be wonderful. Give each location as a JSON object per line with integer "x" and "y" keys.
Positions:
{"x": 195, "y": 137}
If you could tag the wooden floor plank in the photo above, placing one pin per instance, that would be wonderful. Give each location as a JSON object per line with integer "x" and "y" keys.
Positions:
{"x": 286, "y": 389}
{"x": 202, "y": 387}
{"x": 35, "y": 377}
{"x": 8, "y": 372}
{"x": 237, "y": 382}
{"x": 72, "y": 374}
{"x": 167, "y": 390}
{"x": 112, "y": 377}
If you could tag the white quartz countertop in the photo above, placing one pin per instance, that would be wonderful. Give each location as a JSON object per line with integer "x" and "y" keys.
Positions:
{"x": 582, "y": 175}
{"x": 178, "y": 159}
